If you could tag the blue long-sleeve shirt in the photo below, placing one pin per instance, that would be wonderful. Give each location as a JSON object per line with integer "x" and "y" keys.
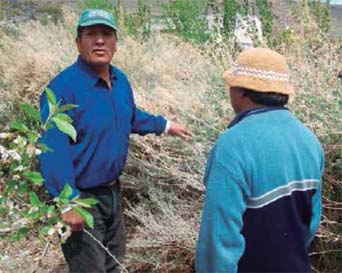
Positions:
{"x": 103, "y": 120}
{"x": 263, "y": 197}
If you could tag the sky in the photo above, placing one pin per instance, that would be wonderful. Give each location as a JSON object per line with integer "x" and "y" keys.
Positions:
{"x": 336, "y": 2}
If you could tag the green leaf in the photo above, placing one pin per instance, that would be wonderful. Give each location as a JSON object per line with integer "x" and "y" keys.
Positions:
{"x": 87, "y": 217}
{"x": 50, "y": 96}
{"x": 34, "y": 177}
{"x": 10, "y": 186}
{"x": 22, "y": 188}
{"x": 66, "y": 107}
{"x": 66, "y": 192}
{"x": 43, "y": 147}
{"x": 44, "y": 230}
{"x": 20, "y": 233}
{"x": 30, "y": 111}
{"x": 48, "y": 210}
{"x": 53, "y": 220}
{"x": 86, "y": 202}
{"x": 35, "y": 215}
{"x": 65, "y": 127}
{"x": 34, "y": 199}
{"x": 64, "y": 117}
{"x": 32, "y": 137}
{"x": 18, "y": 126}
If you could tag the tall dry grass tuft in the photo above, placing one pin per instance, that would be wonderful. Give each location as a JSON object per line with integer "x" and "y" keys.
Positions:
{"x": 163, "y": 192}
{"x": 31, "y": 56}
{"x": 318, "y": 102}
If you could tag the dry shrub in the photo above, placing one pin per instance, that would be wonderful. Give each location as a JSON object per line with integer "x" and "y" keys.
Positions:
{"x": 29, "y": 60}
{"x": 168, "y": 75}
{"x": 318, "y": 103}
{"x": 163, "y": 241}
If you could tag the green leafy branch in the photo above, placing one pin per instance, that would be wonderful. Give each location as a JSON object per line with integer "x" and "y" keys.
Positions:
{"x": 56, "y": 115}
{"x": 76, "y": 204}
{"x": 25, "y": 206}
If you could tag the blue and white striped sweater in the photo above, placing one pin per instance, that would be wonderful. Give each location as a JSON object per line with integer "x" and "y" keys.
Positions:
{"x": 263, "y": 197}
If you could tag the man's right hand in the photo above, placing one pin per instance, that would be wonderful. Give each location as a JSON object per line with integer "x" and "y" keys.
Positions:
{"x": 72, "y": 219}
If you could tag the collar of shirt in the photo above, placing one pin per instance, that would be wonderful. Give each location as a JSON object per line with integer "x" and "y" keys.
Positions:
{"x": 91, "y": 76}
{"x": 254, "y": 111}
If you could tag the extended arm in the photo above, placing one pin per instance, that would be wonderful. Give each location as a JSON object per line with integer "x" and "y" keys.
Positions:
{"x": 144, "y": 123}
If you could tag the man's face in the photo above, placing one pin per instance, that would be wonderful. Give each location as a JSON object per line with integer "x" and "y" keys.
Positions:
{"x": 97, "y": 45}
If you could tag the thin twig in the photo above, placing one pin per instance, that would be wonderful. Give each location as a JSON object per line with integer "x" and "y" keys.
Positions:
{"x": 314, "y": 269}
{"x": 324, "y": 252}
{"x": 41, "y": 256}
{"x": 6, "y": 230}
{"x": 107, "y": 250}
{"x": 45, "y": 250}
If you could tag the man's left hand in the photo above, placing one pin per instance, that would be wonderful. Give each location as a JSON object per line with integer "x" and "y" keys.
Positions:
{"x": 179, "y": 130}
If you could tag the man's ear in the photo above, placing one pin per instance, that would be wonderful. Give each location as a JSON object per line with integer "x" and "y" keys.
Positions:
{"x": 78, "y": 41}
{"x": 116, "y": 41}
{"x": 240, "y": 92}
{"x": 243, "y": 92}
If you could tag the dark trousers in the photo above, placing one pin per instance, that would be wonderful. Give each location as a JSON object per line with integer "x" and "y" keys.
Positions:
{"x": 81, "y": 252}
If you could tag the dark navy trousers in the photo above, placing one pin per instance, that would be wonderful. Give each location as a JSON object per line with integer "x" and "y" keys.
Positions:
{"x": 81, "y": 252}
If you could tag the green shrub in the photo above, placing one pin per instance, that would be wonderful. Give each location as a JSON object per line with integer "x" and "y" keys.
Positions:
{"x": 108, "y": 5}
{"x": 321, "y": 11}
{"x": 186, "y": 18}
{"x": 245, "y": 8}
{"x": 230, "y": 8}
{"x": 2, "y": 10}
{"x": 266, "y": 17}
{"x": 138, "y": 24}
{"x": 284, "y": 37}
{"x": 50, "y": 10}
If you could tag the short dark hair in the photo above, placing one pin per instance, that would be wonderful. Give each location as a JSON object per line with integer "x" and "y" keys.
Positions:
{"x": 80, "y": 30}
{"x": 266, "y": 98}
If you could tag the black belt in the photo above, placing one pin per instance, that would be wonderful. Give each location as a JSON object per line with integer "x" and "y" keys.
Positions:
{"x": 112, "y": 183}
{"x": 108, "y": 185}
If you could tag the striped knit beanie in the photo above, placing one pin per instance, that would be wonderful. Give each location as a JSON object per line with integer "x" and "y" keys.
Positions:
{"x": 262, "y": 70}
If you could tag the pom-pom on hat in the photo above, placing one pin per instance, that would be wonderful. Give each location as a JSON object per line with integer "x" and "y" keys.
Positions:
{"x": 261, "y": 70}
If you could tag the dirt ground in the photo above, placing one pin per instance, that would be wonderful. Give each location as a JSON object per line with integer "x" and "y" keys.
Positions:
{"x": 31, "y": 257}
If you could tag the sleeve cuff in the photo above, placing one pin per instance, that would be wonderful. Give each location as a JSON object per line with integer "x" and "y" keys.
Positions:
{"x": 167, "y": 127}
{"x": 65, "y": 209}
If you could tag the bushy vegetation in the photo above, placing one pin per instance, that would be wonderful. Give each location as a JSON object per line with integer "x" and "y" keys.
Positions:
{"x": 18, "y": 11}
{"x": 177, "y": 74}
{"x": 187, "y": 18}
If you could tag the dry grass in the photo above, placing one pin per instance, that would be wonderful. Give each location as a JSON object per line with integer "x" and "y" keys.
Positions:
{"x": 31, "y": 58}
{"x": 163, "y": 193}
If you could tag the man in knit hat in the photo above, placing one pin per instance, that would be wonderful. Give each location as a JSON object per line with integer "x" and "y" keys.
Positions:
{"x": 105, "y": 117}
{"x": 263, "y": 177}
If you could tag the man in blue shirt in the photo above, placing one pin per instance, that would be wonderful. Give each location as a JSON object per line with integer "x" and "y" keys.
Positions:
{"x": 263, "y": 177}
{"x": 105, "y": 117}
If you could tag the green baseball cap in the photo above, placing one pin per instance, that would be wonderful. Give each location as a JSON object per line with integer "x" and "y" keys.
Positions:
{"x": 90, "y": 17}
